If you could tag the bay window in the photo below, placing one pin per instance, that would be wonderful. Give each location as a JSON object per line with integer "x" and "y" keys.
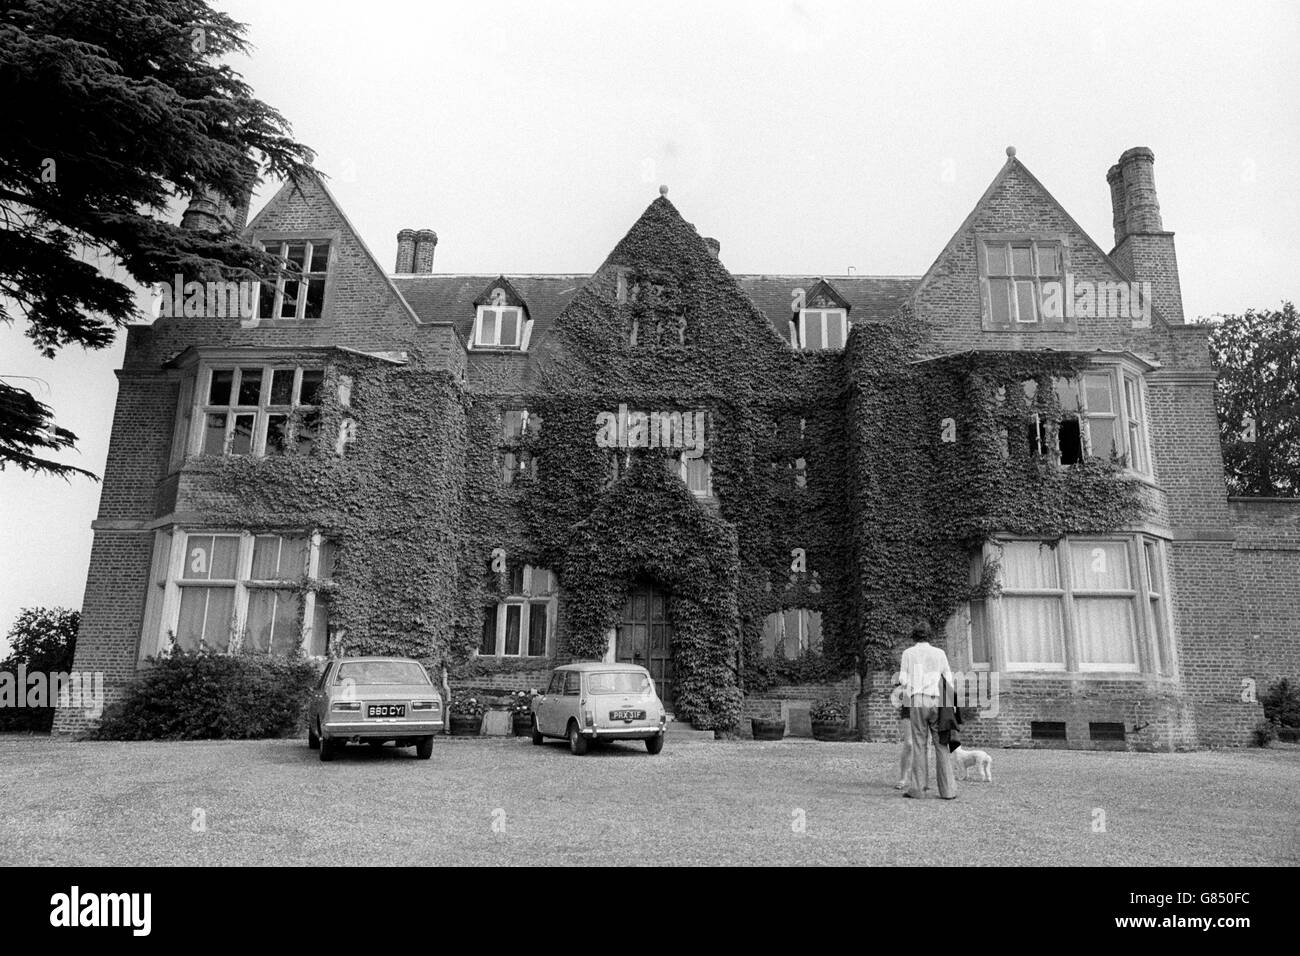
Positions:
{"x": 1102, "y": 416}
{"x": 253, "y": 409}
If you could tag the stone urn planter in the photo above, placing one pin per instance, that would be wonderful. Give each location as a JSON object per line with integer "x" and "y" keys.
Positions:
{"x": 465, "y": 725}
{"x": 767, "y": 728}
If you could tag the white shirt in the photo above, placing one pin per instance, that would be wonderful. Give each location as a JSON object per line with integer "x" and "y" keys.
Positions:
{"x": 922, "y": 666}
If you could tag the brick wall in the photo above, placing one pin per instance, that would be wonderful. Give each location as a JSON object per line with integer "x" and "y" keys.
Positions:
{"x": 1267, "y": 551}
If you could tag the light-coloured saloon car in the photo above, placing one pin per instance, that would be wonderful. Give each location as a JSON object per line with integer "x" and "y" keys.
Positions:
{"x": 586, "y": 702}
{"x": 375, "y": 699}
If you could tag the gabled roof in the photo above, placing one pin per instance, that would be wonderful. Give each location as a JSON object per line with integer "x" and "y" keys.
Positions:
{"x": 499, "y": 290}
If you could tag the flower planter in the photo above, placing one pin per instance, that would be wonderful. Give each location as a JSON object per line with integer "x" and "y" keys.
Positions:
{"x": 521, "y": 724}
{"x": 463, "y": 725}
{"x": 765, "y": 729}
{"x": 829, "y": 729}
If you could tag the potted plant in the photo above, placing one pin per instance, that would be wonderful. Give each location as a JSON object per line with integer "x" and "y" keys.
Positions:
{"x": 521, "y": 712}
{"x": 768, "y": 728}
{"x": 466, "y": 715}
{"x": 829, "y": 718}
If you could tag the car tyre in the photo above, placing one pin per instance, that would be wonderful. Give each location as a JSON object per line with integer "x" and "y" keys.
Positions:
{"x": 577, "y": 742}
{"x": 328, "y": 749}
{"x": 537, "y": 734}
{"x": 655, "y": 744}
{"x": 313, "y": 739}
{"x": 424, "y": 747}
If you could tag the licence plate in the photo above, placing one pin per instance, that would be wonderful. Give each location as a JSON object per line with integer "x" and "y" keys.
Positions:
{"x": 385, "y": 710}
{"x": 627, "y": 715}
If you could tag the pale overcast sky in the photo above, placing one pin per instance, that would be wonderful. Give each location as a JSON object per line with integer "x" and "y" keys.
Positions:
{"x": 808, "y": 137}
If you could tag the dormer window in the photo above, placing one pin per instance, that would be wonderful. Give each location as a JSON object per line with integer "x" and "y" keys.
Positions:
{"x": 822, "y": 329}
{"x": 499, "y": 326}
{"x": 298, "y": 293}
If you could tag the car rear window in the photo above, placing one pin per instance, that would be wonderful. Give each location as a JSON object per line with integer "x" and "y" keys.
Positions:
{"x": 618, "y": 682}
{"x": 381, "y": 672}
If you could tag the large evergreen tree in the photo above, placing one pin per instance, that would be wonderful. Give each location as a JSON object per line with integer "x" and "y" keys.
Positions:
{"x": 111, "y": 111}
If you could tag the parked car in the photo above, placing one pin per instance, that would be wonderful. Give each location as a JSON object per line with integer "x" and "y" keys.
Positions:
{"x": 586, "y": 702}
{"x": 375, "y": 699}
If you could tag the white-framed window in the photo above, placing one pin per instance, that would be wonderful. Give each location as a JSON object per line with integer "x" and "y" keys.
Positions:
{"x": 254, "y": 409}
{"x": 521, "y": 624}
{"x": 795, "y": 630}
{"x": 499, "y": 326}
{"x": 298, "y": 293}
{"x": 517, "y": 462}
{"x": 1012, "y": 274}
{"x": 822, "y": 329}
{"x": 695, "y": 473}
{"x": 1102, "y": 415}
{"x": 1082, "y": 604}
{"x": 231, "y": 591}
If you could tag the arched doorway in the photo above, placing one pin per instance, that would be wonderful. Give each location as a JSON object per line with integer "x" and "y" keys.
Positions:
{"x": 645, "y": 636}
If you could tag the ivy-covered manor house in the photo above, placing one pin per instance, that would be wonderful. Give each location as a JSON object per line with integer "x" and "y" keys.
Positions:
{"x": 750, "y": 484}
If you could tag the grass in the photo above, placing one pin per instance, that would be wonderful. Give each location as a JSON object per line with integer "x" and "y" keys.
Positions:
{"x": 504, "y": 802}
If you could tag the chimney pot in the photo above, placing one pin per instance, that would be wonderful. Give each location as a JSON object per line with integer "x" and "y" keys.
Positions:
{"x": 715, "y": 247}
{"x": 208, "y": 211}
{"x": 426, "y": 241}
{"x": 405, "y": 252}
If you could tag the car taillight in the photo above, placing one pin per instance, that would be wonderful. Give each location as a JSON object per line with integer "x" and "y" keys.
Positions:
{"x": 425, "y": 705}
{"x": 347, "y": 705}
{"x": 588, "y": 714}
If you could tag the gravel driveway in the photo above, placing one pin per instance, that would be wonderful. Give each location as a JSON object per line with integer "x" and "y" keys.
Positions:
{"x": 505, "y": 802}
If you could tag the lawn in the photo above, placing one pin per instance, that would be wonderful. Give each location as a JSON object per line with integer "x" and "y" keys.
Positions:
{"x": 504, "y": 802}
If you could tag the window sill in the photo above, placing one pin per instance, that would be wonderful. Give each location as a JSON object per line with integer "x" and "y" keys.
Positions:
{"x": 499, "y": 349}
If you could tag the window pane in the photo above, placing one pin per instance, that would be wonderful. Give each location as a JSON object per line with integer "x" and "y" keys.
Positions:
{"x": 289, "y": 303}
{"x": 311, "y": 385}
{"x": 537, "y": 630}
{"x": 320, "y": 252}
{"x": 488, "y": 327}
{"x": 1027, "y": 566}
{"x": 697, "y": 475}
{"x": 1067, "y": 393}
{"x": 315, "y": 307}
{"x": 509, "y": 326}
{"x": 1099, "y": 394}
{"x": 1107, "y": 631}
{"x": 1101, "y": 433}
{"x": 266, "y": 300}
{"x": 214, "y": 435}
{"x": 266, "y": 558}
{"x": 327, "y": 559}
{"x": 812, "y": 331}
{"x": 318, "y": 645}
{"x": 222, "y": 380}
{"x": 225, "y": 557}
{"x": 260, "y": 621}
{"x": 250, "y": 386}
{"x": 241, "y": 439}
{"x": 772, "y": 631}
{"x": 1069, "y": 440}
{"x": 995, "y": 257}
{"x": 1034, "y": 632}
{"x": 513, "y": 614}
{"x": 999, "y": 300}
{"x": 1099, "y": 566}
{"x": 1026, "y": 302}
{"x": 293, "y": 557}
{"x": 287, "y": 635}
{"x": 277, "y": 434}
{"x": 1021, "y": 263}
{"x": 1049, "y": 259}
{"x": 517, "y": 579}
{"x": 308, "y": 428}
{"x": 488, "y": 640}
{"x": 513, "y": 423}
{"x": 509, "y": 466}
{"x": 297, "y": 255}
{"x": 813, "y": 630}
{"x": 834, "y": 330}
{"x": 282, "y": 387}
{"x": 205, "y": 618}
{"x": 1132, "y": 399}
{"x": 979, "y": 643}
{"x": 791, "y": 633}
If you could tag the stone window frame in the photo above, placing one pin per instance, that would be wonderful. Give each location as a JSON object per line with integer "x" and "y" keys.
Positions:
{"x": 263, "y": 237}
{"x": 1154, "y": 633}
{"x": 199, "y": 387}
{"x": 1013, "y": 324}
{"x": 538, "y": 587}
{"x": 169, "y": 579}
{"x": 824, "y": 314}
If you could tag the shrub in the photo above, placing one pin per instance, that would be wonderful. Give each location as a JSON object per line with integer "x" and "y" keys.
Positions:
{"x": 1265, "y": 733}
{"x": 828, "y": 710}
{"x": 209, "y": 696}
{"x": 521, "y": 702}
{"x": 1282, "y": 703}
{"x": 464, "y": 704}
{"x": 43, "y": 640}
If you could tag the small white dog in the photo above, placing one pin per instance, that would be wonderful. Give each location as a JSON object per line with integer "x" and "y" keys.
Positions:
{"x": 963, "y": 759}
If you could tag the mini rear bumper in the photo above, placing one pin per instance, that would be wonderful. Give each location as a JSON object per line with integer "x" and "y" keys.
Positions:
{"x": 386, "y": 729}
{"x": 623, "y": 733}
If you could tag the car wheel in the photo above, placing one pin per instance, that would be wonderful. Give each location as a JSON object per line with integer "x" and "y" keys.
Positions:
{"x": 328, "y": 749}
{"x": 424, "y": 747}
{"x": 313, "y": 738}
{"x": 577, "y": 742}
{"x": 655, "y": 744}
{"x": 537, "y": 734}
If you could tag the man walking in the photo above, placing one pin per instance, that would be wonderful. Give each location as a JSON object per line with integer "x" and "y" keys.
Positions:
{"x": 923, "y": 673}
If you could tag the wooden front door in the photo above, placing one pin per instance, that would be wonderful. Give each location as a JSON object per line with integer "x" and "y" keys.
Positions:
{"x": 645, "y": 637}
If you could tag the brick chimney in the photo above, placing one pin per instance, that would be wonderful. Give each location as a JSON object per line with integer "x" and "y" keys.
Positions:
{"x": 1143, "y": 248}
{"x": 405, "y": 252}
{"x": 209, "y": 212}
{"x": 426, "y": 240}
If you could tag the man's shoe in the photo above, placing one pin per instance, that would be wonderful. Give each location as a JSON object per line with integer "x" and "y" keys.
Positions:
{"x": 915, "y": 796}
